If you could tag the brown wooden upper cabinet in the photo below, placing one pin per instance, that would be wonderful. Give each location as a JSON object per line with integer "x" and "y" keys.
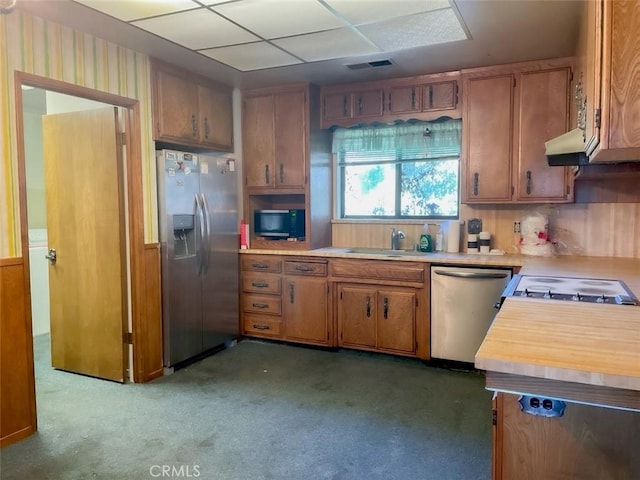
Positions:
{"x": 607, "y": 79}
{"x": 275, "y": 138}
{"x": 508, "y": 114}
{"x": 353, "y": 106}
{"x": 423, "y": 98}
{"x": 426, "y": 97}
{"x": 190, "y": 110}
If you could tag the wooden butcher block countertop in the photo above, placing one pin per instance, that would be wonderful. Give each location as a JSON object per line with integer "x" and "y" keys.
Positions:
{"x": 575, "y": 342}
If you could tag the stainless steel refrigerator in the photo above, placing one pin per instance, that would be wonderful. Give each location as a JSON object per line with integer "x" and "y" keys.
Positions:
{"x": 197, "y": 204}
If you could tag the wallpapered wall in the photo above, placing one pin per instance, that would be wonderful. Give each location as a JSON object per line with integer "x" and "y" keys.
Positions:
{"x": 33, "y": 45}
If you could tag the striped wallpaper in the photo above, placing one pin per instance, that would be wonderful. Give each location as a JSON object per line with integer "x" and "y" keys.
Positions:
{"x": 33, "y": 45}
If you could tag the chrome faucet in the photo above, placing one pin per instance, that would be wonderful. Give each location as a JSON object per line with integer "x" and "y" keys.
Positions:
{"x": 396, "y": 236}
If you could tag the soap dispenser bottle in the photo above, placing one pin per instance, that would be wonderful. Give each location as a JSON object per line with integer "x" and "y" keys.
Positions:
{"x": 426, "y": 244}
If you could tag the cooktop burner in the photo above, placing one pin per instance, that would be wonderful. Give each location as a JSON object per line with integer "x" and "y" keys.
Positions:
{"x": 573, "y": 289}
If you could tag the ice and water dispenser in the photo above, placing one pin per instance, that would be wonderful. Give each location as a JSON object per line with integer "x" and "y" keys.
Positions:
{"x": 184, "y": 235}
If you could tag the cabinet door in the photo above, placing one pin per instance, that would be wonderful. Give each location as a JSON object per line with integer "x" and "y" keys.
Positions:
{"x": 487, "y": 138}
{"x": 258, "y": 141}
{"x": 290, "y": 139}
{"x": 336, "y": 106}
{"x": 305, "y": 309}
{"x": 620, "y": 102}
{"x": 543, "y": 115}
{"x": 369, "y": 103}
{"x": 216, "y": 118}
{"x": 586, "y": 443}
{"x": 405, "y": 99}
{"x": 396, "y": 320}
{"x": 357, "y": 316}
{"x": 440, "y": 96}
{"x": 176, "y": 108}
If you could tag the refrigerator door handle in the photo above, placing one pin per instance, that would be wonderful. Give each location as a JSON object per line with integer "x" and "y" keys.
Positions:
{"x": 200, "y": 213}
{"x": 206, "y": 242}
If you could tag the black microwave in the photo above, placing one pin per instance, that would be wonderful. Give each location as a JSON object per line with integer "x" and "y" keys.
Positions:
{"x": 279, "y": 223}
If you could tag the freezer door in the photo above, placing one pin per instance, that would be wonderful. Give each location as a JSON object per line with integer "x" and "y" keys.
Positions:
{"x": 181, "y": 227}
{"x": 462, "y": 309}
{"x": 220, "y": 298}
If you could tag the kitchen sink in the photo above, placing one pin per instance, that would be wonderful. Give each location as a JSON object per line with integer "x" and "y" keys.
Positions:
{"x": 387, "y": 252}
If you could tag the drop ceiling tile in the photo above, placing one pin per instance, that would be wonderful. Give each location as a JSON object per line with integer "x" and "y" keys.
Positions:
{"x": 280, "y": 18}
{"x": 313, "y": 47}
{"x": 251, "y": 56}
{"x": 197, "y": 29}
{"x": 367, "y": 11}
{"x": 418, "y": 30}
{"x": 133, "y": 9}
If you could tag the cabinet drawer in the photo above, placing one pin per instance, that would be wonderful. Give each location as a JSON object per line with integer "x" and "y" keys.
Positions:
{"x": 259, "y": 282}
{"x": 378, "y": 270}
{"x": 318, "y": 269}
{"x": 262, "y": 263}
{"x": 262, "y": 325}
{"x": 266, "y": 304}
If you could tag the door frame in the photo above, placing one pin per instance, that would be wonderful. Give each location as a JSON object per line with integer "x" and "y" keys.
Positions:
{"x": 134, "y": 198}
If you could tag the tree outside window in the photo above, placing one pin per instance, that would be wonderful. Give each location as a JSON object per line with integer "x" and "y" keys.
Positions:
{"x": 399, "y": 171}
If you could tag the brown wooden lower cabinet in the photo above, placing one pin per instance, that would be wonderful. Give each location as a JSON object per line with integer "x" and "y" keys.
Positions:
{"x": 377, "y": 318}
{"x": 286, "y": 299}
{"x": 585, "y": 443}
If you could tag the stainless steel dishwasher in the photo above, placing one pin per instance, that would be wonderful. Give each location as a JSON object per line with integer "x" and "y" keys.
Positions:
{"x": 462, "y": 309}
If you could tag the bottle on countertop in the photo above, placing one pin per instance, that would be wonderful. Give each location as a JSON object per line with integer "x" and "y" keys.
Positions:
{"x": 439, "y": 239}
{"x": 426, "y": 243}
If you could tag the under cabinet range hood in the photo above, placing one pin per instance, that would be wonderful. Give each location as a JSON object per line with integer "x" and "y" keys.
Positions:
{"x": 567, "y": 150}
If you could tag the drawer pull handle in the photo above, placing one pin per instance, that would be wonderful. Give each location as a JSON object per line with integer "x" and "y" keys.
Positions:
{"x": 260, "y": 284}
{"x": 302, "y": 268}
{"x": 529, "y": 182}
{"x": 260, "y": 265}
{"x": 476, "y": 178}
{"x": 207, "y": 129}
{"x": 291, "y": 293}
{"x": 260, "y": 305}
{"x": 385, "y": 304}
{"x": 261, "y": 327}
{"x": 368, "y": 305}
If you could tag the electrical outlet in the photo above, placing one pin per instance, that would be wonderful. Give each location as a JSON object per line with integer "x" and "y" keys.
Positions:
{"x": 516, "y": 227}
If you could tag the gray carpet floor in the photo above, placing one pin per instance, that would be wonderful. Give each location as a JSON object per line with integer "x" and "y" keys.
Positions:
{"x": 261, "y": 411}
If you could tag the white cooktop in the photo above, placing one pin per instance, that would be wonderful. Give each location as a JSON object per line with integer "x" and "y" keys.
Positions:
{"x": 566, "y": 285}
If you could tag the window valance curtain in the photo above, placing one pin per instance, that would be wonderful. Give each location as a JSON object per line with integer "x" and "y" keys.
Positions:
{"x": 410, "y": 140}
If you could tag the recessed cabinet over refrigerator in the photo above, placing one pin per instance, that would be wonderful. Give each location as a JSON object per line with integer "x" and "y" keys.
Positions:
{"x": 197, "y": 203}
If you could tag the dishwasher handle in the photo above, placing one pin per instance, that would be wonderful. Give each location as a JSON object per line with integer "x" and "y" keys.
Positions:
{"x": 473, "y": 275}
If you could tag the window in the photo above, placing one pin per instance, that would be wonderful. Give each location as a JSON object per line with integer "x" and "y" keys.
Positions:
{"x": 399, "y": 171}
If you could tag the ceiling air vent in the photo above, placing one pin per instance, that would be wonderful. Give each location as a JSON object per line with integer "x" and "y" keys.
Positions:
{"x": 362, "y": 66}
